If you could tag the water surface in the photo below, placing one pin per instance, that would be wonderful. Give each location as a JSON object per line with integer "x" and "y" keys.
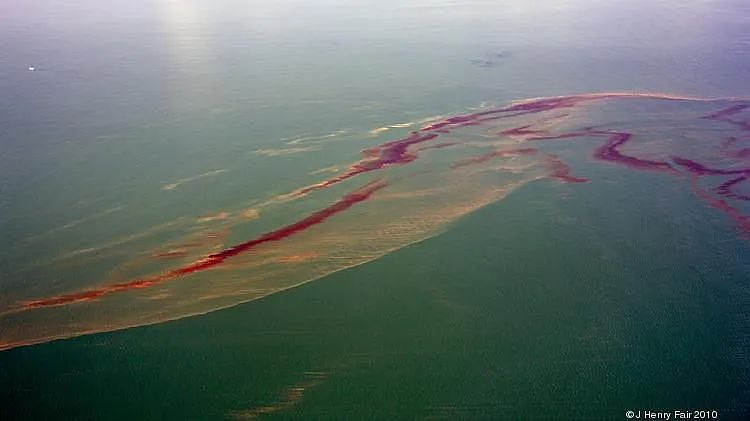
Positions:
{"x": 153, "y": 135}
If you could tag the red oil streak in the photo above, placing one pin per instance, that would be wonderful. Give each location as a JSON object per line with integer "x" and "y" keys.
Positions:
{"x": 216, "y": 259}
{"x": 726, "y": 188}
{"x": 742, "y": 220}
{"x": 391, "y": 153}
{"x": 609, "y": 152}
{"x": 700, "y": 169}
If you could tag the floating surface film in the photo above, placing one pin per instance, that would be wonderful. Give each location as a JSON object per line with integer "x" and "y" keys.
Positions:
{"x": 400, "y": 191}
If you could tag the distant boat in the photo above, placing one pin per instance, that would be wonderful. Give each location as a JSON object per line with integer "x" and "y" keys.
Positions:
{"x": 31, "y": 68}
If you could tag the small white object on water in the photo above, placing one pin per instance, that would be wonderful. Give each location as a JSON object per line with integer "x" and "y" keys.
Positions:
{"x": 31, "y": 68}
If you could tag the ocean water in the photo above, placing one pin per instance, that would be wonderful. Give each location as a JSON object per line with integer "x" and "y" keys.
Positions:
{"x": 475, "y": 253}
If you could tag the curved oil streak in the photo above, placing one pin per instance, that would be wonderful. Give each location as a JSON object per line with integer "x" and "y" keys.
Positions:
{"x": 215, "y": 259}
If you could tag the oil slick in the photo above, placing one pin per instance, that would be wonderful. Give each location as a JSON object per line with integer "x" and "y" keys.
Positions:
{"x": 399, "y": 192}
{"x": 215, "y": 259}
